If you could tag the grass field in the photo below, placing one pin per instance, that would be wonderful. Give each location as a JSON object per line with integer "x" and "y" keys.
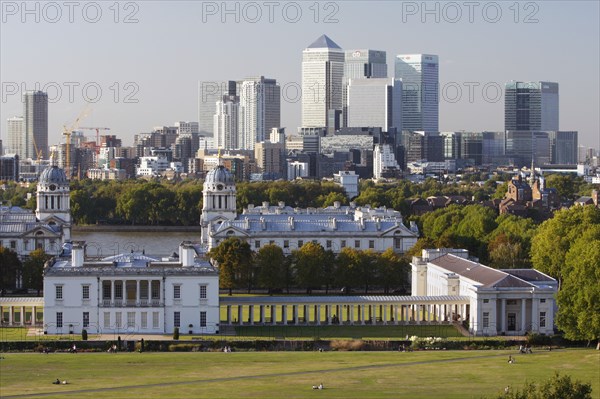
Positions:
{"x": 426, "y": 374}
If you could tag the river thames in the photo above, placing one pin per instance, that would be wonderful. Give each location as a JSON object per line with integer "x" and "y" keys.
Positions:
{"x": 104, "y": 243}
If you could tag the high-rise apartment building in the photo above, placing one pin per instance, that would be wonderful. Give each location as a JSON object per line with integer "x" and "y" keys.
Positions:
{"x": 15, "y": 137}
{"x": 226, "y": 123}
{"x": 260, "y": 110}
{"x": 35, "y": 125}
{"x": 361, "y": 64}
{"x": 375, "y": 102}
{"x": 322, "y": 82}
{"x": 531, "y": 106}
{"x": 420, "y": 91}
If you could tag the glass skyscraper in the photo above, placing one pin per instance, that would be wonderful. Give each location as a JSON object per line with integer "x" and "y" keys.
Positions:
{"x": 531, "y": 106}
{"x": 375, "y": 103}
{"x": 420, "y": 91}
{"x": 322, "y": 81}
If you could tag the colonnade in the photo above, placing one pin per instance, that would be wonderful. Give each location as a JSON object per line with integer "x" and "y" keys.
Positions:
{"x": 22, "y": 311}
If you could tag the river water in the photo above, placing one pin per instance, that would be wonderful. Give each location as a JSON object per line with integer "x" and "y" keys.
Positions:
{"x": 153, "y": 243}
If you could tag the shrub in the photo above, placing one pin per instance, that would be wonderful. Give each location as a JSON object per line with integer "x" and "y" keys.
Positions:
{"x": 539, "y": 339}
{"x": 557, "y": 387}
{"x": 347, "y": 345}
{"x": 176, "y": 334}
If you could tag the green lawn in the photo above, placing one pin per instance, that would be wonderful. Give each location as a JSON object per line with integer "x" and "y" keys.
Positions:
{"x": 427, "y": 374}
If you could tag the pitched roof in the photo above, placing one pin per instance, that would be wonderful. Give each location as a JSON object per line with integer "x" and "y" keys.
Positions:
{"x": 324, "y": 42}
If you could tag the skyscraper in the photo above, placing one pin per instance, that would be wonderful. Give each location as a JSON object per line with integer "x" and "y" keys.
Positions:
{"x": 322, "y": 81}
{"x": 361, "y": 64}
{"x": 375, "y": 103}
{"x": 420, "y": 88}
{"x": 226, "y": 123}
{"x": 260, "y": 110}
{"x": 564, "y": 147}
{"x": 531, "y": 106}
{"x": 208, "y": 95}
{"x": 14, "y": 143}
{"x": 35, "y": 124}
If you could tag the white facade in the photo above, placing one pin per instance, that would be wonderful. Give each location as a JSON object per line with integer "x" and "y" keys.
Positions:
{"x": 131, "y": 293}
{"x": 511, "y": 301}
{"x": 383, "y": 160}
{"x": 14, "y": 142}
{"x": 296, "y": 169}
{"x": 259, "y": 111}
{"x": 348, "y": 180}
{"x": 152, "y": 166}
{"x": 226, "y": 123}
{"x": 375, "y": 103}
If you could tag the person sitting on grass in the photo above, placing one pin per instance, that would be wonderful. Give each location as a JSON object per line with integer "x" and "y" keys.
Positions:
{"x": 57, "y": 382}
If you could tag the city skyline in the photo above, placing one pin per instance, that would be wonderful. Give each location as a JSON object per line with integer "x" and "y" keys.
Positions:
{"x": 168, "y": 91}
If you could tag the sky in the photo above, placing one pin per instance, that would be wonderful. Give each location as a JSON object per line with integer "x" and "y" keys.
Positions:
{"x": 140, "y": 62}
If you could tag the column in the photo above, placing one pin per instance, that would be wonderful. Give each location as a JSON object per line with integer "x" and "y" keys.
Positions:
{"x": 251, "y": 314}
{"x": 261, "y": 317}
{"x": 22, "y": 315}
{"x": 362, "y": 314}
{"x": 273, "y": 314}
{"x": 240, "y": 314}
{"x": 137, "y": 292}
{"x": 228, "y": 314}
{"x": 384, "y": 315}
{"x": 295, "y": 310}
{"x": 33, "y": 314}
{"x": 318, "y": 313}
{"x": 328, "y": 314}
{"x": 10, "y": 315}
{"x": 351, "y": 313}
{"x": 306, "y": 313}
{"x": 503, "y": 315}
{"x": 523, "y": 300}
{"x": 419, "y": 314}
{"x": 535, "y": 315}
{"x": 112, "y": 292}
{"x": 284, "y": 314}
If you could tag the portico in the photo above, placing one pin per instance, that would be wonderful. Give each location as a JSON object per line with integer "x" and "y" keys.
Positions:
{"x": 22, "y": 311}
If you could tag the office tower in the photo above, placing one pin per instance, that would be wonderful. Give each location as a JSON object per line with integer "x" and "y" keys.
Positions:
{"x": 420, "y": 88}
{"x": 35, "y": 125}
{"x": 375, "y": 102}
{"x": 564, "y": 147}
{"x": 260, "y": 110}
{"x": 493, "y": 147}
{"x": 322, "y": 76}
{"x": 15, "y": 137}
{"x": 384, "y": 162}
{"x": 524, "y": 146}
{"x": 471, "y": 147}
{"x": 451, "y": 144}
{"x": 226, "y": 123}
{"x": 531, "y": 106}
{"x": 420, "y": 146}
{"x": 208, "y": 95}
{"x": 361, "y": 64}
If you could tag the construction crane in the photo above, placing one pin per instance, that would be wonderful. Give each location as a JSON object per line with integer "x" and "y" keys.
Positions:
{"x": 67, "y": 132}
{"x": 97, "y": 129}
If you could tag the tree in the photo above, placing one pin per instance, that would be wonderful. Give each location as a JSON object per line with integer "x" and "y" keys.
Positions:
{"x": 392, "y": 271}
{"x": 308, "y": 264}
{"x": 557, "y": 387}
{"x": 234, "y": 259}
{"x": 270, "y": 264}
{"x": 346, "y": 273}
{"x": 555, "y": 237}
{"x": 33, "y": 270}
{"x": 579, "y": 299}
{"x": 10, "y": 268}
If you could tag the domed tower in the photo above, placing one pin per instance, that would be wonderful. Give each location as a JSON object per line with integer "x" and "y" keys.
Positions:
{"x": 53, "y": 202}
{"x": 219, "y": 200}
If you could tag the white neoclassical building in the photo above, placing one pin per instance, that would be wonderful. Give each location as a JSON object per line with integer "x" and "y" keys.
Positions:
{"x": 510, "y": 301}
{"x": 49, "y": 227}
{"x": 334, "y": 228}
{"x": 131, "y": 293}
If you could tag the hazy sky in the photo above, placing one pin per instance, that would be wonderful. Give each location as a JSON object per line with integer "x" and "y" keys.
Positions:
{"x": 148, "y": 69}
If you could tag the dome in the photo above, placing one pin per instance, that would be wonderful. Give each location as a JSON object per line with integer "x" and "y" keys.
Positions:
{"x": 53, "y": 175}
{"x": 219, "y": 175}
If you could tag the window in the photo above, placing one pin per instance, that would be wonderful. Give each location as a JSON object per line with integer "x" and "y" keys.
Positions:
{"x": 155, "y": 289}
{"x": 356, "y": 243}
{"x": 542, "y": 319}
{"x": 143, "y": 289}
{"x": 106, "y": 319}
{"x": 486, "y": 319}
{"x": 59, "y": 292}
{"x": 543, "y": 300}
{"x": 397, "y": 242}
{"x": 86, "y": 319}
{"x": 202, "y": 319}
{"x": 155, "y": 319}
{"x": 511, "y": 301}
{"x": 177, "y": 319}
{"x": 13, "y": 245}
{"x": 118, "y": 290}
{"x": 59, "y": 319}
{"x": 202, "y": 292}
{"x": 85, "y": 291}
{"x": 106, "y": 290}
{"x": 371, "y": 244}
{"x": 486, "y": 301}
{"x": 343, "y": 245}
{"x": 300, "y": 243}
{"x": 118, "y": 320}
{"x": 130, "y": 319}
{"x": 328, "y": 244}
{"x": 286, "y": 243}
{"x": 257, "y": 244}
{"x": 177, "y": 292}
{"x": 144, "y": 321}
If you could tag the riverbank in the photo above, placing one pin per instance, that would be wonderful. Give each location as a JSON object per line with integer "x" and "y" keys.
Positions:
{"x": 104, "y": 228}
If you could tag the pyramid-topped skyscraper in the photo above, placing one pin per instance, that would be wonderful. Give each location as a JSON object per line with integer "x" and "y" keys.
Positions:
{"x": 322, "y": 78}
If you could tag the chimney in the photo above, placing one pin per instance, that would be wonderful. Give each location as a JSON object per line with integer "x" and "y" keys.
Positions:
{"x": 291, "y": 221}
{"x": 337, "y": 204}
{"x": 187, "y": 252}
{"x": 77, "y": 253}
